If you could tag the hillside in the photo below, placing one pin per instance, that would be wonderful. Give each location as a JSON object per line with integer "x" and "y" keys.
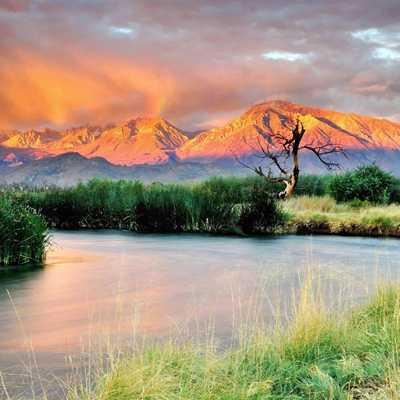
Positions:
{"x": 32, "y": 139}
{"x": 156, "y": 141}
{"x": 138, "y": 141}
{"x": 67, "y": 169}
{"x": 364, "y": 138}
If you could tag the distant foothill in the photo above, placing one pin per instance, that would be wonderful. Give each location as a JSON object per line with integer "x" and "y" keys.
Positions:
{"x": 140, "y": 146}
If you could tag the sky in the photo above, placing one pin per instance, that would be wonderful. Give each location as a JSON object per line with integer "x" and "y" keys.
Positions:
{"x": 197, "y": 63}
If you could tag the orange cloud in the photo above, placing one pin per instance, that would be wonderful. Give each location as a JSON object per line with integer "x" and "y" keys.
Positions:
{"x": 190, "y": 61}
{"x": 95, "y": 88}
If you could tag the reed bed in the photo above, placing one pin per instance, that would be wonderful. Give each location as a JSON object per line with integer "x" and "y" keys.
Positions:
{"x": 23, "y": 234}
{"x": 218, "y": 205}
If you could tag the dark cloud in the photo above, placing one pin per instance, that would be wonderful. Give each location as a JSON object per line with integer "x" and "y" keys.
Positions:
{"x": 193, "y": 61}
{"x": 14, "y": 5}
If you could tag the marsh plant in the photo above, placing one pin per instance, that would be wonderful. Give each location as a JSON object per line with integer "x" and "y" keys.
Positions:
{"x": 23, "y": 234}
{"x": 218, "y": 205}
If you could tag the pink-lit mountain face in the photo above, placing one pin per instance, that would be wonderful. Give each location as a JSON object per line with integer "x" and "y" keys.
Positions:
{"x": 139, "y": 141}
{"x": 260, "y": 122}
{"x": 156, "y": 141}
{"x": 32, "y": 139}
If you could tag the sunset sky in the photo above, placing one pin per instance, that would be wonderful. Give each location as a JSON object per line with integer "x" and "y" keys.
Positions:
{"x": 196, "y": 63}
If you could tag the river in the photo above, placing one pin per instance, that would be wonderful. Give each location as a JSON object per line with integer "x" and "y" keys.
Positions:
{"x": 122, "y": 283}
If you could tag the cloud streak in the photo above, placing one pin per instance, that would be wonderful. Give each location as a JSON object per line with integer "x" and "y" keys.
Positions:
{"x": 193, "y": 62}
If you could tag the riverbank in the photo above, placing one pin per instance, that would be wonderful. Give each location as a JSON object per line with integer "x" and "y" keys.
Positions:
{"x": 318, "y": 354}
{"x": 154, "y": 282}
{"x": 230, "y": 206}
{"x": 323, "y": 215}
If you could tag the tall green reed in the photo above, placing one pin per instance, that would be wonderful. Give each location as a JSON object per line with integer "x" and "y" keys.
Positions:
{"x": 218, "y": 205}
{"x": 23, "y": 234}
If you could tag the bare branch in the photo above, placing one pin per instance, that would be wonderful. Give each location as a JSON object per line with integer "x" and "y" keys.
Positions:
{"x": 260, "y": 172}
{"x": 242, "y": 163}
{"x": 321, "y": 152}
{"x": 274, "y": 157}
{"x": 287, "y": 143}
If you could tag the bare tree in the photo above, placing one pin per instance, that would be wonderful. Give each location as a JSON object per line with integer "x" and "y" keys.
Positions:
{"x": 286, "y": 144}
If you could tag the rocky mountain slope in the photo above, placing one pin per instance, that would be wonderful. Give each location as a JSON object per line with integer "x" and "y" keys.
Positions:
{"x": 32, "y": 139}
{"x": 241, "y": 137}
{"x": 75, "y": 137}
{"x": 156, "y": 141}
{"x": 138, "y": 141}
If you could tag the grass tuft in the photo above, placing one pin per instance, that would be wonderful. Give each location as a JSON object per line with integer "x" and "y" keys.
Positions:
{"x": 23, "y": 234}
{"x": 318, "y": 353}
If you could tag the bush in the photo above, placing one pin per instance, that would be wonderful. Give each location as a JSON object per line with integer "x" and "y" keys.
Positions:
{"x": 260, "y": 211}
{"x": 395, "y": 191}
{"x": 23, "y": 234}
{"x": 365, "y": 183}
{"x": 357, "y": 203}
{"x": 313, "y": 185}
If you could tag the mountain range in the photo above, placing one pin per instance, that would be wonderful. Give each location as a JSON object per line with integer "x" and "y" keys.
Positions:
{"x": 117, "y": 151}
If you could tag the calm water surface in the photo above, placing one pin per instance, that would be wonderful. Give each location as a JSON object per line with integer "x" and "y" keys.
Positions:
{"x": 158, "y": 283}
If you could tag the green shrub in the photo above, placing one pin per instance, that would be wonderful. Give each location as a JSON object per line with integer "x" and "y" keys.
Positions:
{"x": 23, "y": 234}
{"x": 259, "y": 212}
{"x": 357, "y": 203}
{"x": 395, "y": 191}
{"x": 313, "y": 185}
{"x": 365, "y": 183}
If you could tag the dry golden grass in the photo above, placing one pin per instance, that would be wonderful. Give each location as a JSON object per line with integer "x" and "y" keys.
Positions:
{"x": 313, "y": 204}
{"x": 325, "y": 215}
{"x": 317, "y": 353}
{"x": 327, "y": 205}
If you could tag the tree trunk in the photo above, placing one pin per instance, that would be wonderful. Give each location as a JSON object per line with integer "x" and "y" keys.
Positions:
{"x": 294, "y": 177}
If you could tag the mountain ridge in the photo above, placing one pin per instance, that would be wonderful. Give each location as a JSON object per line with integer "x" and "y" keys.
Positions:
{"x": 156, "y": 141}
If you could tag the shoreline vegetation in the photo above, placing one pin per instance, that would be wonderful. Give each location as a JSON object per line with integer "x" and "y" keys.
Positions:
{"x": 317, "y": 351}
{"x": 362, "y": 202}
{"x": 24, "y": 234}
{"x": 324, "y": 216}
{"x": 217, "y": 205}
